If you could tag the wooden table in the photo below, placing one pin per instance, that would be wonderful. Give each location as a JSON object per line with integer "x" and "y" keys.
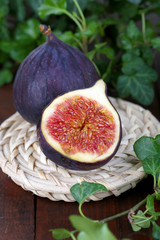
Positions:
{"x": 24, "y": 216}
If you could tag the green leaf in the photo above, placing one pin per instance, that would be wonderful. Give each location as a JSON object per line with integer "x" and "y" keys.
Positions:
{"x": 90, "y": 229}
{"x": 150, "y": 32}
{"x": 67, "y": 37}
{"x": 28, "y": 30}
{"x": 24, "y": 42}
{"x": 157, "y": 138}
{"x": 49, "y": 7}
{"x": 158, "y": 195}
{"x": 135, "y": 1}
{"x": 147, "y": 146}
{"x": 106, "y": 22}
{"x": 156, "y": 43}
{"x": 4, "y": 31}
{"x": 4, "y": 9}
{"x": 82, "y": 191}
{"x": 35, "y": 4}
{"x": 5, "y": 77}
{"x": 83, "y": 236}
{"x": 151, "y": 164}
{"x": 141, "y": 92}
{"x": 135, "y": 227}
{"x": 150, "y": 204}
{"x": 20, "y": 10}
{"x": 60, "y": 233}
{"x": 140, "y": 221}
{"x": 127, "y": 10}
{"x": 3, "y": 57}
{"x": 91, "y": 29}
{"x": 124, "y": 86}
{"x": 156, "y": 230}
{"x": 137, "y": 79}
{"x": 134, "y": 65}
{"x": 146, "y": 54}
{"x": 108, "y": 51}
{"x": 126, "y": 42}
{"x": 132, "y": 31}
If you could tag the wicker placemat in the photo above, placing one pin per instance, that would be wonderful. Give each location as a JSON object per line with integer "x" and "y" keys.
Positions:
{"x": 22, "y": 159}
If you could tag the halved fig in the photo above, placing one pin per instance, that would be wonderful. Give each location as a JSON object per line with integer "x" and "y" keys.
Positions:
{"x": 81, "y": 129}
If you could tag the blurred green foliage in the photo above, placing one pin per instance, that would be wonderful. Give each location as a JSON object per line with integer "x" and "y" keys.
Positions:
{"x": 118, "y": 36}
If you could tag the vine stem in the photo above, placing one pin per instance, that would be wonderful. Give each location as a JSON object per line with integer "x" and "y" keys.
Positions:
{"x": 133, "y": 209}
{"x": 72, "y": 236}
{"x": 80, "y": 211}
{"x": 83, "y": 21}
{"x": 81, "y": 14}
{"x": 74, "y": 19}
{"x": 143, "y": 26}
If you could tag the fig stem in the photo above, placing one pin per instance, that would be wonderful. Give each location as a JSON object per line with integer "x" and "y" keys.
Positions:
{"x": 45, "y": 29}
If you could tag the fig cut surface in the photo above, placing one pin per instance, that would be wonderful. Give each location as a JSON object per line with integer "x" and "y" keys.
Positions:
{"x": 81, "y": 126}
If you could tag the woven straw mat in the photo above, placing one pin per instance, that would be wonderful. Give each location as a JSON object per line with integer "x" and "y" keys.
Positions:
{"x": 22, "y": 159}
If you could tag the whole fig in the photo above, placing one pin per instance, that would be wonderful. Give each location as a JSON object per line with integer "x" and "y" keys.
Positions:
{"x": 50, "y": 70}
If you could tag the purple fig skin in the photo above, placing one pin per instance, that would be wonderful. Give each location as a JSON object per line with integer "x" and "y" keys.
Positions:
{"x": 50, "y": 70}
{"x": 68, "y": 163}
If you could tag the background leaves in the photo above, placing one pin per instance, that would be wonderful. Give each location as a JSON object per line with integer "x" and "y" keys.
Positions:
{"x": 121, "y": 47}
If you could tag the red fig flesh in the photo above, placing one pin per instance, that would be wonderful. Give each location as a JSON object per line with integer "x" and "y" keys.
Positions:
{"x": 81, "y": 129}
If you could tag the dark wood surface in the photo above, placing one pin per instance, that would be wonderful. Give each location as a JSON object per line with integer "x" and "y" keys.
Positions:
{"x": 24, "y": 216}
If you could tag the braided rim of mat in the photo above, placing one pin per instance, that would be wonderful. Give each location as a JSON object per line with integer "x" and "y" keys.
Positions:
{"x": 22, "y": 159}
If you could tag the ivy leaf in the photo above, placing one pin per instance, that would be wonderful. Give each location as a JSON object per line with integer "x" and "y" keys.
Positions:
{"x": 146, "y": 54}
{"x": 141, "y": 92}
{"x": 156, "y": 43}
{"x": 126, "y": 42}
{"x": 82, "y": 191}
{"x": 140, "y": 221}
{"x": 156, "y": 230}
{"x": 150, "y": 32}
{"x": 137, "y": 79}
{"x": 49, "y": 7}
{"x": 5, "y": 76}
{"x": 132, "y": 31}
{"x": 151, "y": 164}
{"x": 60, "y": 233}
{"x": 90, "y": 229}
{"x": 150, "y": 204}
{"x": 147, "y": 146}
{"x": 135, "y": 227}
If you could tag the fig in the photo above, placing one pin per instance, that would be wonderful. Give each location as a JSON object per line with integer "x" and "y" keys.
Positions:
{"x": 80, "y": 130}
{"x": 50, "y": 70}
